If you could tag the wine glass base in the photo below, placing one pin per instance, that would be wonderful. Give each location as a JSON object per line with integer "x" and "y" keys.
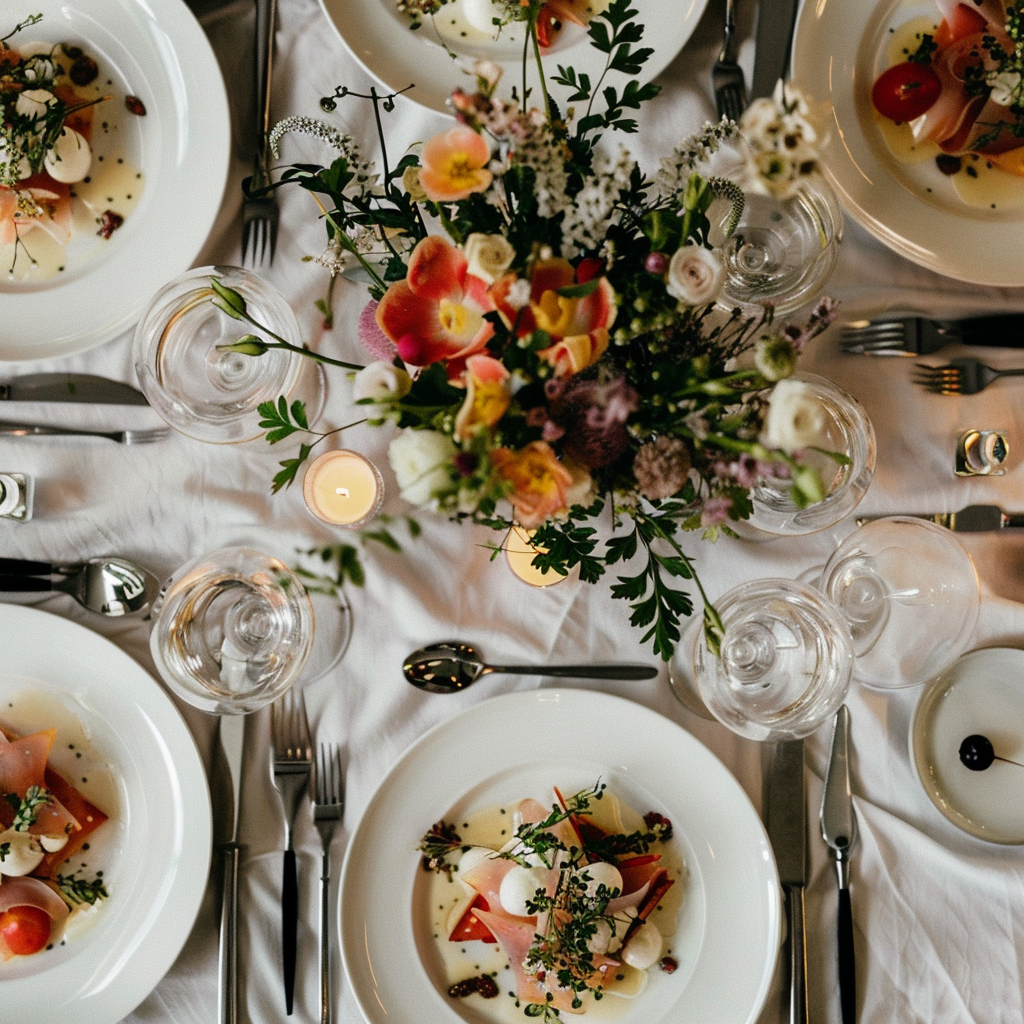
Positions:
{"x": 681, "y": 679}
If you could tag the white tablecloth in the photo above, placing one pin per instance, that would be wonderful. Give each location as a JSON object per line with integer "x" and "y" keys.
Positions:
{"x": 937, "y": 913}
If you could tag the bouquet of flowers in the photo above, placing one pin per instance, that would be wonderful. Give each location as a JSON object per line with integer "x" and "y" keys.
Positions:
{"x": 547, "y": 341}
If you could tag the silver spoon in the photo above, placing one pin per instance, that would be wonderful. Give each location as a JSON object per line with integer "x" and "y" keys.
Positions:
{"x": 109, "y": 586}
{"x": 452, "y": 665}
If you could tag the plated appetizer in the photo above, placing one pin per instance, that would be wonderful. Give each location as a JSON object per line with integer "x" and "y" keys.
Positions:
{"x": 553, "y": 908}
{"x": 61, "y": 177}
{"x": 45, "y": 821}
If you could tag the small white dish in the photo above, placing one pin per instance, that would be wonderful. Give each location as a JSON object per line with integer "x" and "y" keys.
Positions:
{"x": 520, "y": 744}
{"x": 981, "y": 693}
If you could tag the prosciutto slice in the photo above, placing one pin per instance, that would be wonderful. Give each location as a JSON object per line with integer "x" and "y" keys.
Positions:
{"x": 26, "y": 891}
{"x": 23, "y": 765}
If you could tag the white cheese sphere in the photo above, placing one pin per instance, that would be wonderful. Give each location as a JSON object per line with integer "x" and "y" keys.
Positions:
{"x": 70, "y": 157}
{"x": 520, "y": 886}
{"x": 602, "y": 873}
{"x": 23, "y": 854}
{"x": 644, "y": 948}
{"x": 33, "y": 102}
{"x": 481, "y": 14}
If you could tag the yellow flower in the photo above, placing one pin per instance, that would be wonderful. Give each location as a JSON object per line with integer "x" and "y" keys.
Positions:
{"x": 454, "y": 165}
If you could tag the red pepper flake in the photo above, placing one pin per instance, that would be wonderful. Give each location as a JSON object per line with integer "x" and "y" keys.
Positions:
{"x": 109, "y": 223}
{"x": 135, "y": 106}
{"x": 668, "y": 964}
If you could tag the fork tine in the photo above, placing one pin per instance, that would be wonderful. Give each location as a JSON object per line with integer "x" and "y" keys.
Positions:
{"x": 328, "y": 775}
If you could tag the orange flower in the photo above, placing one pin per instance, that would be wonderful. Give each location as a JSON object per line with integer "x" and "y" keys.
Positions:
{"x": 454, "y": 165}
{"x": 540, "y": 482}
{"x": 487, "y": 396}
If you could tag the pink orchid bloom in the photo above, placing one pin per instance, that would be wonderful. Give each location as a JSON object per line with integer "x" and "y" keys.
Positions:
{"x": 453, "y": 165}
{"x": 436, "y": 313}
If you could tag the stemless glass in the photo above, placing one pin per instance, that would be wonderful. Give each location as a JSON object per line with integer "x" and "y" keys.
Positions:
{"x": 232, "y": 630}
{"x": 203, "y": 390}
{"x": 785, "y": 661}
{"x": 847, "y": 430}
{"x": 910, "y": 594}
{"x": 783, "y": 250}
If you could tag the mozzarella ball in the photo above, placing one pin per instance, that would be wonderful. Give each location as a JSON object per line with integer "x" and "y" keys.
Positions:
{"x": 519, "y": 887}
{"x": 481, "y": 14}
{"x": 644, "y": 948}
{"x": 33, "y": 102}
{"x": 70, "y": 157}
{"x": 23, "y": 853}
{"x": 602, "y": 873}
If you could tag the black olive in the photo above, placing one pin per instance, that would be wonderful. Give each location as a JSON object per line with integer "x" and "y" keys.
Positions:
{"x": 977, "y": 753}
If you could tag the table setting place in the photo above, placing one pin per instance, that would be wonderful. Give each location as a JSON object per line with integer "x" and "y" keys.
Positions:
{"x": 463, "y": 554}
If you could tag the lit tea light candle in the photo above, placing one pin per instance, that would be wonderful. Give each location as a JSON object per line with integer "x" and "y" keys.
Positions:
{"x": 520, "y": 552}
{"x": 343, "y": 488}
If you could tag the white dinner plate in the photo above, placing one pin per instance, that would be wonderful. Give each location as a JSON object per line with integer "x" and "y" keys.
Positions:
{"x": 981, "y": 694}
{"x": 839, "y": 51}
{"x": 379, "y": 38}
{"x": 155, "y": 846}
{"x": 153, "y": 49}
{"x": 519, "y": 745}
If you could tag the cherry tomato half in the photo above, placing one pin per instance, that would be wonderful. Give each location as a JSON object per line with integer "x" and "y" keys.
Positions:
{"x": 26, "y": 930}
{"x": 905, "y": 91}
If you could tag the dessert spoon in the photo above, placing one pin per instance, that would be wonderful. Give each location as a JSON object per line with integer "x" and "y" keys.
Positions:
{"x": 452, "y": 665}
{"x": 109, "y": 586}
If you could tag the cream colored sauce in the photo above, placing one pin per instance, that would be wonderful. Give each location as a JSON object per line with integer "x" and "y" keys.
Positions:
{"x": 492, "y": 827}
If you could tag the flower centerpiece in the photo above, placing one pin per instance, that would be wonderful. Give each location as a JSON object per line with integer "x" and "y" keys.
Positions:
{"x": 543, "y": 315}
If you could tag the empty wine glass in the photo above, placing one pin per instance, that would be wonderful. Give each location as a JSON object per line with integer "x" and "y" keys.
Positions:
{"x": 909, "y": 593}
{"x": 784, "y": 663}
{"x": 232, "y": 630}
{"x": 195, "y": 382}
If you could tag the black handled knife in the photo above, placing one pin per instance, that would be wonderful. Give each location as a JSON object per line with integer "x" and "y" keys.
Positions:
{"x": 776, "y": 23}
{"x": 70, "y": 387}
{"x": 972, "y": 519}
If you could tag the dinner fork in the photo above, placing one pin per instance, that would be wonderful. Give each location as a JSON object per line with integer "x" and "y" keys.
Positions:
{"x": 960, "y": 376}
{"x": 914, "y": 335}
{"x": 10, "y": 429}
{"x": 260, "y": 214}
{"x": 328, "y": 808}
{"x": 292, "y": 752}
{"x": 727, "y": 75}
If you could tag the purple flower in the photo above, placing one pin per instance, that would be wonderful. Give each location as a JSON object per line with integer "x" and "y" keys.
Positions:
{"x": 715, "y": 511}
{"x": 593, "y": 415}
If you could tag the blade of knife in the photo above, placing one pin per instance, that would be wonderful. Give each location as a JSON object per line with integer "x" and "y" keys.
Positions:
{"x": 70, "y": 387}
{"x": 972, "y": 519}
{"x": 786, "y": 822}
{"x": 776, "y": 22}
{"x": 839, "y": 830}
{"x": 232, "y": 737}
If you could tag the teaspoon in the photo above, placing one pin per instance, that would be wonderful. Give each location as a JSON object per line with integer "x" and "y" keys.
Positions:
{"x": 452, "y": 665}
{"x": 109, "y": 586}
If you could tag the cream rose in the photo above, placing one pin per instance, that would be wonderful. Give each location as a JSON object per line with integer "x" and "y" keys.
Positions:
{"x": 695, "y": 275}
{"x": 411, "y": 184}
{"x": 381, "y": 381}
{"x": 489, "y": 256}
{"x": 419, "y": 459}
{"x": 796, "y": 417}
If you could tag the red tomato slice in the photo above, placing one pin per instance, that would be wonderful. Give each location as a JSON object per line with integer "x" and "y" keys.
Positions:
{"x": 905, "y": 91}
{"x": 470, "y": 926}
{"x": 26, "y": 930}
{"x": 963, "y": 22}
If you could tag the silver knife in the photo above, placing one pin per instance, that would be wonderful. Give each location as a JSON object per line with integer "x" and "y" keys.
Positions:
{"x": 232, "y": 736}
{"x": 70, "y": 387}
{"x": 972, "y": 519}
{"x": 776, "y": 22}
{"x": 839, "y": 830}
{"x": 786, "y": 822}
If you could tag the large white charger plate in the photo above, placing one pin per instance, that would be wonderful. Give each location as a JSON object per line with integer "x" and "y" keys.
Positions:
{"x": 157, "y": 844}
{"x": 519, "y": 745}
{"x": 156, "y": 50}
{"x": 836, "y": 58}
{"x": 982, "y": 693}
{"x": 380, "y": 39}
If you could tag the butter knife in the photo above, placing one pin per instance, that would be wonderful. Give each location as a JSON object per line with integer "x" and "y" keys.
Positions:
{"x": 70, "y": 387}
{"x": 839, "y": 830}
{"x": 776, "y": 22}
{"x": 232, "y": 735}
{"x": 972, "y": 519}
{"x": 786, "y": 822}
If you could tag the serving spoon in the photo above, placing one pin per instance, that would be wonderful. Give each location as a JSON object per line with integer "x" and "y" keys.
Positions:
{"x": 109, "y": 586}
{"x": 452, "y": 665}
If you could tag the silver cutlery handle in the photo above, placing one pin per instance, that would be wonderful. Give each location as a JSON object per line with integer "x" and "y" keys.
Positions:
{"x": 847, "y": 963}
{"x": 228, "y": 961}
{"x": 325, "y": 937}
{"x": 580, "y": 671}
{"x": 797, "y": 955}
{"x": 38, "y": 429}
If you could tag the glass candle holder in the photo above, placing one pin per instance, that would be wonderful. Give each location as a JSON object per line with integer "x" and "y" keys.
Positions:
{"x": 520, "y": 552}
{"x": 343, "y": 488}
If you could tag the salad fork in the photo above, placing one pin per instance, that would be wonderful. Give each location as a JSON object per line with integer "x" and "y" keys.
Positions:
{"x": 960, "y": 377}
{"x": 292, "y": 752}
{"x": 915, "y": 335}
{"x": 121, "y": 436}
{"x": 727, "y": 75}
{"x": 328, "y": 808}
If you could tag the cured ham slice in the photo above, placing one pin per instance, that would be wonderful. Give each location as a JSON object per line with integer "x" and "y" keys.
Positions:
{"x": 51, "y": 198}
{"x": 31, "y": 892}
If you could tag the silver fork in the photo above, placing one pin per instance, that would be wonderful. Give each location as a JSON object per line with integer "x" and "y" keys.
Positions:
{"x": 260, "y": 213}
{"x": 727, "y": 75}
{"x": 292, "y": 753}
{"x": 121, "y": 436}
{"x": 915, "y": 335}
{"x": 328, "y": 808}
{"x": 960, "y": 376}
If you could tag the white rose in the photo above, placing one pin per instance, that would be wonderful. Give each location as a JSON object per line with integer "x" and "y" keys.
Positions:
{"x": 381, "y": 381}
{"x": 489, "y": 256}
{"x": 695, "y": 275}
{"x": 796, "y": 417}
{"x": 419, "y": 459}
